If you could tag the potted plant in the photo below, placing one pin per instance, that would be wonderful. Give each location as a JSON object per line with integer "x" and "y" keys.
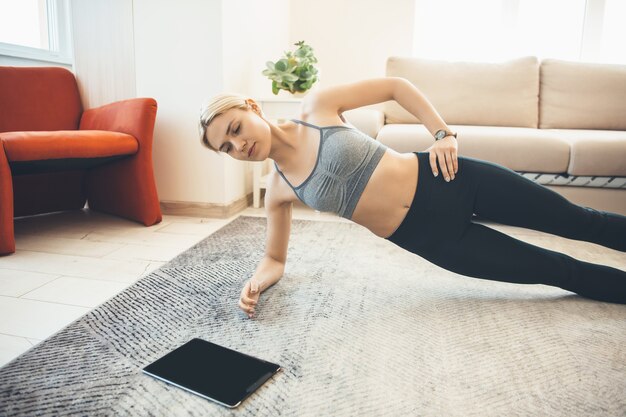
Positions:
{"x": 294, "y": 72}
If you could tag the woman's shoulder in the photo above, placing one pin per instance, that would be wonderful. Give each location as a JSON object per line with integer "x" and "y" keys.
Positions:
{"x": 277, "y": 190}
{"x": 311, "y": 111}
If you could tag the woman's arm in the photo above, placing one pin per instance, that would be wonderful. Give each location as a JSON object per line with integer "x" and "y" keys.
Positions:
{"x": 271, "y": 268}
{"x": 416, "y": 103}
{"x": 445, "y": 150}
{"x": 340, "y": 98}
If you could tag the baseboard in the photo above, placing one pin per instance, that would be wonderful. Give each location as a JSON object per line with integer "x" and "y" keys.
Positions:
{"x": 218, "y": 211}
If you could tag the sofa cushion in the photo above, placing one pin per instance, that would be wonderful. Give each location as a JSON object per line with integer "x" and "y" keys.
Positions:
{"x": 577, "y": 95}
{"x": 595, "y": 152}
{"x": 38, "y": 152}
{"x": 519, "y": 149}
{"x": 470, "y": 93}
{"x": 31, "y": 146}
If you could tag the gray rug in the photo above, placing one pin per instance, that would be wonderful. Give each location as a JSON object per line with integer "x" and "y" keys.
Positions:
{"x": 360, "y": 327}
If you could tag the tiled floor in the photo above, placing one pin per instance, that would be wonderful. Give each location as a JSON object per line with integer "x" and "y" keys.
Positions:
{"x": 69, "y": 263}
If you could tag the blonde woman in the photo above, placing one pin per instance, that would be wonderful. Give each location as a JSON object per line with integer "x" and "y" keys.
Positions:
{"x": 420, "y": 201}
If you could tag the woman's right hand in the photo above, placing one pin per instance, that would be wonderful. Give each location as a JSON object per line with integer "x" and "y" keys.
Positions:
{"x": 250, "y": 297}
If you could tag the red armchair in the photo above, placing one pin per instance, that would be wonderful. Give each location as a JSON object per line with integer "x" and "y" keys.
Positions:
{"x": 54, "y": 156}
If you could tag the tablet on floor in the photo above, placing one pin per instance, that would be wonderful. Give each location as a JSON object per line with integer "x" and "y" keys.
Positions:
{"x": 212, "y": 371}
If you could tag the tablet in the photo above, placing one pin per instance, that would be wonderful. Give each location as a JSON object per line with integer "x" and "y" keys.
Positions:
{"x": 212, "y": 371}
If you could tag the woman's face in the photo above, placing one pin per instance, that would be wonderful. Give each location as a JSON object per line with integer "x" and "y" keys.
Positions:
{"x": 238, "y": 132}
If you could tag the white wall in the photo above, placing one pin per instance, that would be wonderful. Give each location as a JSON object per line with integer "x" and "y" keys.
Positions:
{"x": 104, "y": 61}
{"x": 253, "y": 31}
{"x": 353, "y": 38}
{"x": 178, "y": 59}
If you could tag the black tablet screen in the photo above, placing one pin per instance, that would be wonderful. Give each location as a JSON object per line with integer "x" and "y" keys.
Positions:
{"x": 213, "y": 371}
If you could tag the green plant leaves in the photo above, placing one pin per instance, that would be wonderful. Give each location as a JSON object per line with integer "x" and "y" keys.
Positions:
{"x": 281, "y": 65}
{"x": 295, "y": 72}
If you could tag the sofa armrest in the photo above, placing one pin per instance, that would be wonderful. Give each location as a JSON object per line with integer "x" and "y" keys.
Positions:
{"x": 135, "y": 117}
{"x": 368, "y": 121}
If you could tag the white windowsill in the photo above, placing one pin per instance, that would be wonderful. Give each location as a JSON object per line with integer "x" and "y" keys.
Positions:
{"x": 34, "y": 54}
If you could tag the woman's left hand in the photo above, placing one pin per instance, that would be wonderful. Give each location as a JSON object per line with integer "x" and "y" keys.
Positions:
{"x": 446, "y": 150}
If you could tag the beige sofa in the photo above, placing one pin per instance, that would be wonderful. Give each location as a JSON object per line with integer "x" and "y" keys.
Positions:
{"x": 561, "y": 124}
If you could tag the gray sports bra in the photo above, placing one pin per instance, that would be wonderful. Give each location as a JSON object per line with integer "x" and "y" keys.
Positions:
{"x": 346, "y": 159}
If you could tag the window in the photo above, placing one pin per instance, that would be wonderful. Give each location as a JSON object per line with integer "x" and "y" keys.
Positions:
{"x": 495, "y": 30}
{"x": 36, "y": 29}
{"x": 611, "y": 47}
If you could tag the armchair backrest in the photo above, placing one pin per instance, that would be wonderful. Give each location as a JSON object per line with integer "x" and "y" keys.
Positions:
{"x": 38, "y": 98}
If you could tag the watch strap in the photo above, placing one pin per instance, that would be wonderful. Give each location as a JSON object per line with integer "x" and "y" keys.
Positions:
{"x": 446, "y": 134}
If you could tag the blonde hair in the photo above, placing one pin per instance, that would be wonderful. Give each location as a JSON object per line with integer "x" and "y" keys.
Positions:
{"x": 217, "y": 105}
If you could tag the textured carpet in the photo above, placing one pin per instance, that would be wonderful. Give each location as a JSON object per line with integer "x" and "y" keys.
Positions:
{"x": 360, "y": 327}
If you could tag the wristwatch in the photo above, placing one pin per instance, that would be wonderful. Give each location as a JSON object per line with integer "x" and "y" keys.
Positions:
{"x": 441, "y": 133}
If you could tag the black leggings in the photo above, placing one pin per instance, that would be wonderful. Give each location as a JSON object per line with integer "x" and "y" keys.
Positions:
{"x": 438, "y": 228}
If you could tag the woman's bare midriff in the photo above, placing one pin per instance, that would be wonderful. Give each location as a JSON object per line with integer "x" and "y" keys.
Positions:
{"x": 387, "y": 197}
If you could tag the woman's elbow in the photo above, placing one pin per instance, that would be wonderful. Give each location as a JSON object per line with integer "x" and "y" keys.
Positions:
{"x": 400, "y": 84}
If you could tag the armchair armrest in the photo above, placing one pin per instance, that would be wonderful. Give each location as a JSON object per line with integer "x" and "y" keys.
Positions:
{"x": 368, "y": 121}
{"x": 135, "y": 117}
{"x": 126, "y": 187}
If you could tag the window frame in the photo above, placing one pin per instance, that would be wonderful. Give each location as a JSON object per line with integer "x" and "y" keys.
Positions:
{"x": 59, "y": 38}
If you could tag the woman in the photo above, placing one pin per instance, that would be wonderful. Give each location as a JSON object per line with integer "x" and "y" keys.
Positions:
{"x": 401, "y": 196}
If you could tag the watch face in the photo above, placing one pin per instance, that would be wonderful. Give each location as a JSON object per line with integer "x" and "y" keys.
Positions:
{"x": 440, "y": 134}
